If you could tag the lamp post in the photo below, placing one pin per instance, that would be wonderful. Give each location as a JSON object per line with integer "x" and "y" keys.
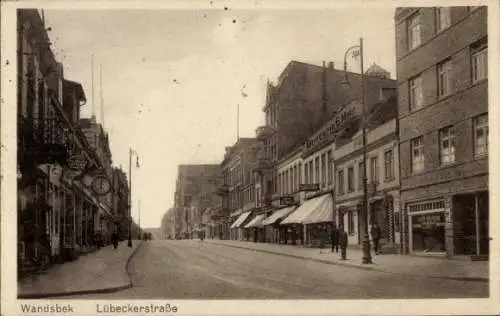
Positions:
{"x": 357, "y": 50}
{"x": 131, "y": 152}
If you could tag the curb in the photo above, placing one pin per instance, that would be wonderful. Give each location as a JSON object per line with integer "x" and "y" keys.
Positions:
{"x": 91, "y": 291}
{"x": 370, "y": 268}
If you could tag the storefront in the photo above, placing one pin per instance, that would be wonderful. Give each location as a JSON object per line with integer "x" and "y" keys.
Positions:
{"x": 256, "y": 228}
{"x": 427, "y": 227}
{"x": 271, "y": 224}
{"x": 238, "y": 227}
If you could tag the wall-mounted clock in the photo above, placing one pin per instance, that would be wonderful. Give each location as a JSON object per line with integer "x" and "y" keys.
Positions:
{"x": 101, "y": 185}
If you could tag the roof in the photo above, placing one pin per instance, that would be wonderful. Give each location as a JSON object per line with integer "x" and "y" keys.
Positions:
{"x": 77, "y": 87}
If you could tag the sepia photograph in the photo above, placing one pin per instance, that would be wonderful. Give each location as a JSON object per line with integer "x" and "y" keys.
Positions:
{"x": 225, "y": 152}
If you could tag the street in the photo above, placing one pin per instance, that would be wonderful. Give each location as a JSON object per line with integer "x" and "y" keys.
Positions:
{"x": 192, "y": 269}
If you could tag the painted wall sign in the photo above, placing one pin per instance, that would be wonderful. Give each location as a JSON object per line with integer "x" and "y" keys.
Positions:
{"x": 77, "y": 162}
{"x": 328, "y": 131}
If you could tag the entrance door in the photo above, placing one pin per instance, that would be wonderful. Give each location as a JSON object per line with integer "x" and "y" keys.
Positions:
{"x": 483, "y": 211}
{"x": 378, "y": 215}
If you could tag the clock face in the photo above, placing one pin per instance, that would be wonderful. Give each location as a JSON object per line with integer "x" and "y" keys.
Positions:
{"x": 101, "y": 185}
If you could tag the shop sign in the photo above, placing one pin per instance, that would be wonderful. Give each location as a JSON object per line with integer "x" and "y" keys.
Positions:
{"x": 77, "y": 162}
{"x": 429, "y": 221}
{"x": 309, "y": 187}
{"x": 328, "y": 132}
{"x": 287, "y": 200}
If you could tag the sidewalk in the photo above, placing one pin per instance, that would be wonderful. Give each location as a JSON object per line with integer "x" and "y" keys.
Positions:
{"x": 98, "y": 272}
{"x": 430, "y": 267}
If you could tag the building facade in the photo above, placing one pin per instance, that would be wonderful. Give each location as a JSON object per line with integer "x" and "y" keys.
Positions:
{"x": 442, "y": 70}
{"x": 120, "y": 202}
{"x": 193, "y": 194}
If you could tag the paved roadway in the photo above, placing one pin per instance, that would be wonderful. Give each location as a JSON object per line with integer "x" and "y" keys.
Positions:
{"x": 191, "y": 269}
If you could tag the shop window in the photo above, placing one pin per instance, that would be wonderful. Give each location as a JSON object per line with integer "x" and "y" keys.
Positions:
{"x": 447, "y": 145}
{"x": 389, "y": 165}
{"x": 444, "y": 78}
{"x": 350, "y": 179}
{"x": 443, "y": 18}
{"x": 340, "y": 190}
{"x": 479, "y": 61}
{"x": 416, "y": 95}
{"x": 417, "y": 154}
{"x": 413, "y": 25}
{"x": 481, "y": 135}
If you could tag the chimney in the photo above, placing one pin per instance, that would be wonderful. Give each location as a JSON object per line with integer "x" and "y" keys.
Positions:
{"x": 331, "y": 65}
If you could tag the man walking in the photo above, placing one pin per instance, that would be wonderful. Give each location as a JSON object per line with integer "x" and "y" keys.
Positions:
{"x": 343, "y": 242}
{"x": 335, "y": 239}
{"x": 114, "y": 239}
{"x": 375, "y": 232}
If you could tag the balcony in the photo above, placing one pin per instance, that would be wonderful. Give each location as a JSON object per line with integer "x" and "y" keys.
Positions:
{"x": 264, "y": 132}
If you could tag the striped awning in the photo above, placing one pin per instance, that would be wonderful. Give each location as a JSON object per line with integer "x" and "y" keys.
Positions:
{"x": 279, "y": 214}
{"x": 256, "y": 222}
{"x": 240, "y": 220}
{"x": 316, "y": 210}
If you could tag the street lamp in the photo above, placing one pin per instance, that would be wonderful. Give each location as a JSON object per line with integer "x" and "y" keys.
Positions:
{"x": 357, "y": 50}
{"x": 131, "y": 152}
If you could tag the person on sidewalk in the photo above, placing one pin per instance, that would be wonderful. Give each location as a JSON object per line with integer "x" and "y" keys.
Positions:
{"x": 335, "y": 239}
{"x": 375, "y": 232}
{"x": 343, "y": 242}
{"x": 114, "y": 239}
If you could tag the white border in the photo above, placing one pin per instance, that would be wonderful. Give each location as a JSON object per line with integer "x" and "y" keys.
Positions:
{"x": 11, "y": 306}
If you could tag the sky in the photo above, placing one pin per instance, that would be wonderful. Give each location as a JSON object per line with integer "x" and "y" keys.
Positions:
{"x": 172, "y": 79}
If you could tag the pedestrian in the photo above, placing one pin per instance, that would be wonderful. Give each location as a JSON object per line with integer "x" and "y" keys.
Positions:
{"x": 343, "y": 243}
{"x": 114, "y": 239}
{"x": 335, "y": 239}
{"x": 375, "y": 232}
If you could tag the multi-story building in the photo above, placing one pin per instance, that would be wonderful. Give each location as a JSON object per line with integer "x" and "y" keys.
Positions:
{"x": 52, "y": 150}
{"x": 104, "y": 221}
{"x": 168, "y": 224}
{"x": 382, "y": 158}
{"x": 442, "y": 68}
{"x": 305, "y": 97}
{"x": 238, "y": 188}
{"x": 194, "y": 193}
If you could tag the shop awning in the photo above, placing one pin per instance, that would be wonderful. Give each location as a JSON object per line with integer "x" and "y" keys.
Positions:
{"x": 279, "y": 214}
{"x": 240, "y": 220}
{"x": 256, "y": 222}
{"x": 322, "y": 212}
{"x": 307, "y": 211}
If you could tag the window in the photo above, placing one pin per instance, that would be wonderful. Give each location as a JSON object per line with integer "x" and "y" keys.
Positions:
{"x": 389, "y": 165}
{"x": 479, "y": 63}
{"x": 417, "y": 154}
{"x": 323, "y": 170}
{"x": 416, "y": 92}
{"x": 287, "y": 183}
{"x": 443, "y": 18}
{"x": 481, "y": 135}
{"x": 316, "y": 167}
{"x": 413, "y": 31}
{"x": 329, "y": 163}
{"x": 444, "y": 78}
{"x": 291, "y": 180}
{"x": 306, "y": 173}
{"x": 280, "y": 184}
{"x": 296, "y": 177}
{"x": 340, "y": 190}
{"x": 350, "y": 179}
{"x": 374, "y": 169}
{"x": 300, "y": 173}
{"x": 361, "y": 171}
{"x": 350, "y": 223}
{"x": 447, "y": 145}
{"x": 311, "y": 171}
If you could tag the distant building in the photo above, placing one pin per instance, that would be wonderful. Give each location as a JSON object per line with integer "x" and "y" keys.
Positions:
{"x": 121, "y": 196}
{"x": 442, "y": 65}
{"x": 192, "y": 197}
